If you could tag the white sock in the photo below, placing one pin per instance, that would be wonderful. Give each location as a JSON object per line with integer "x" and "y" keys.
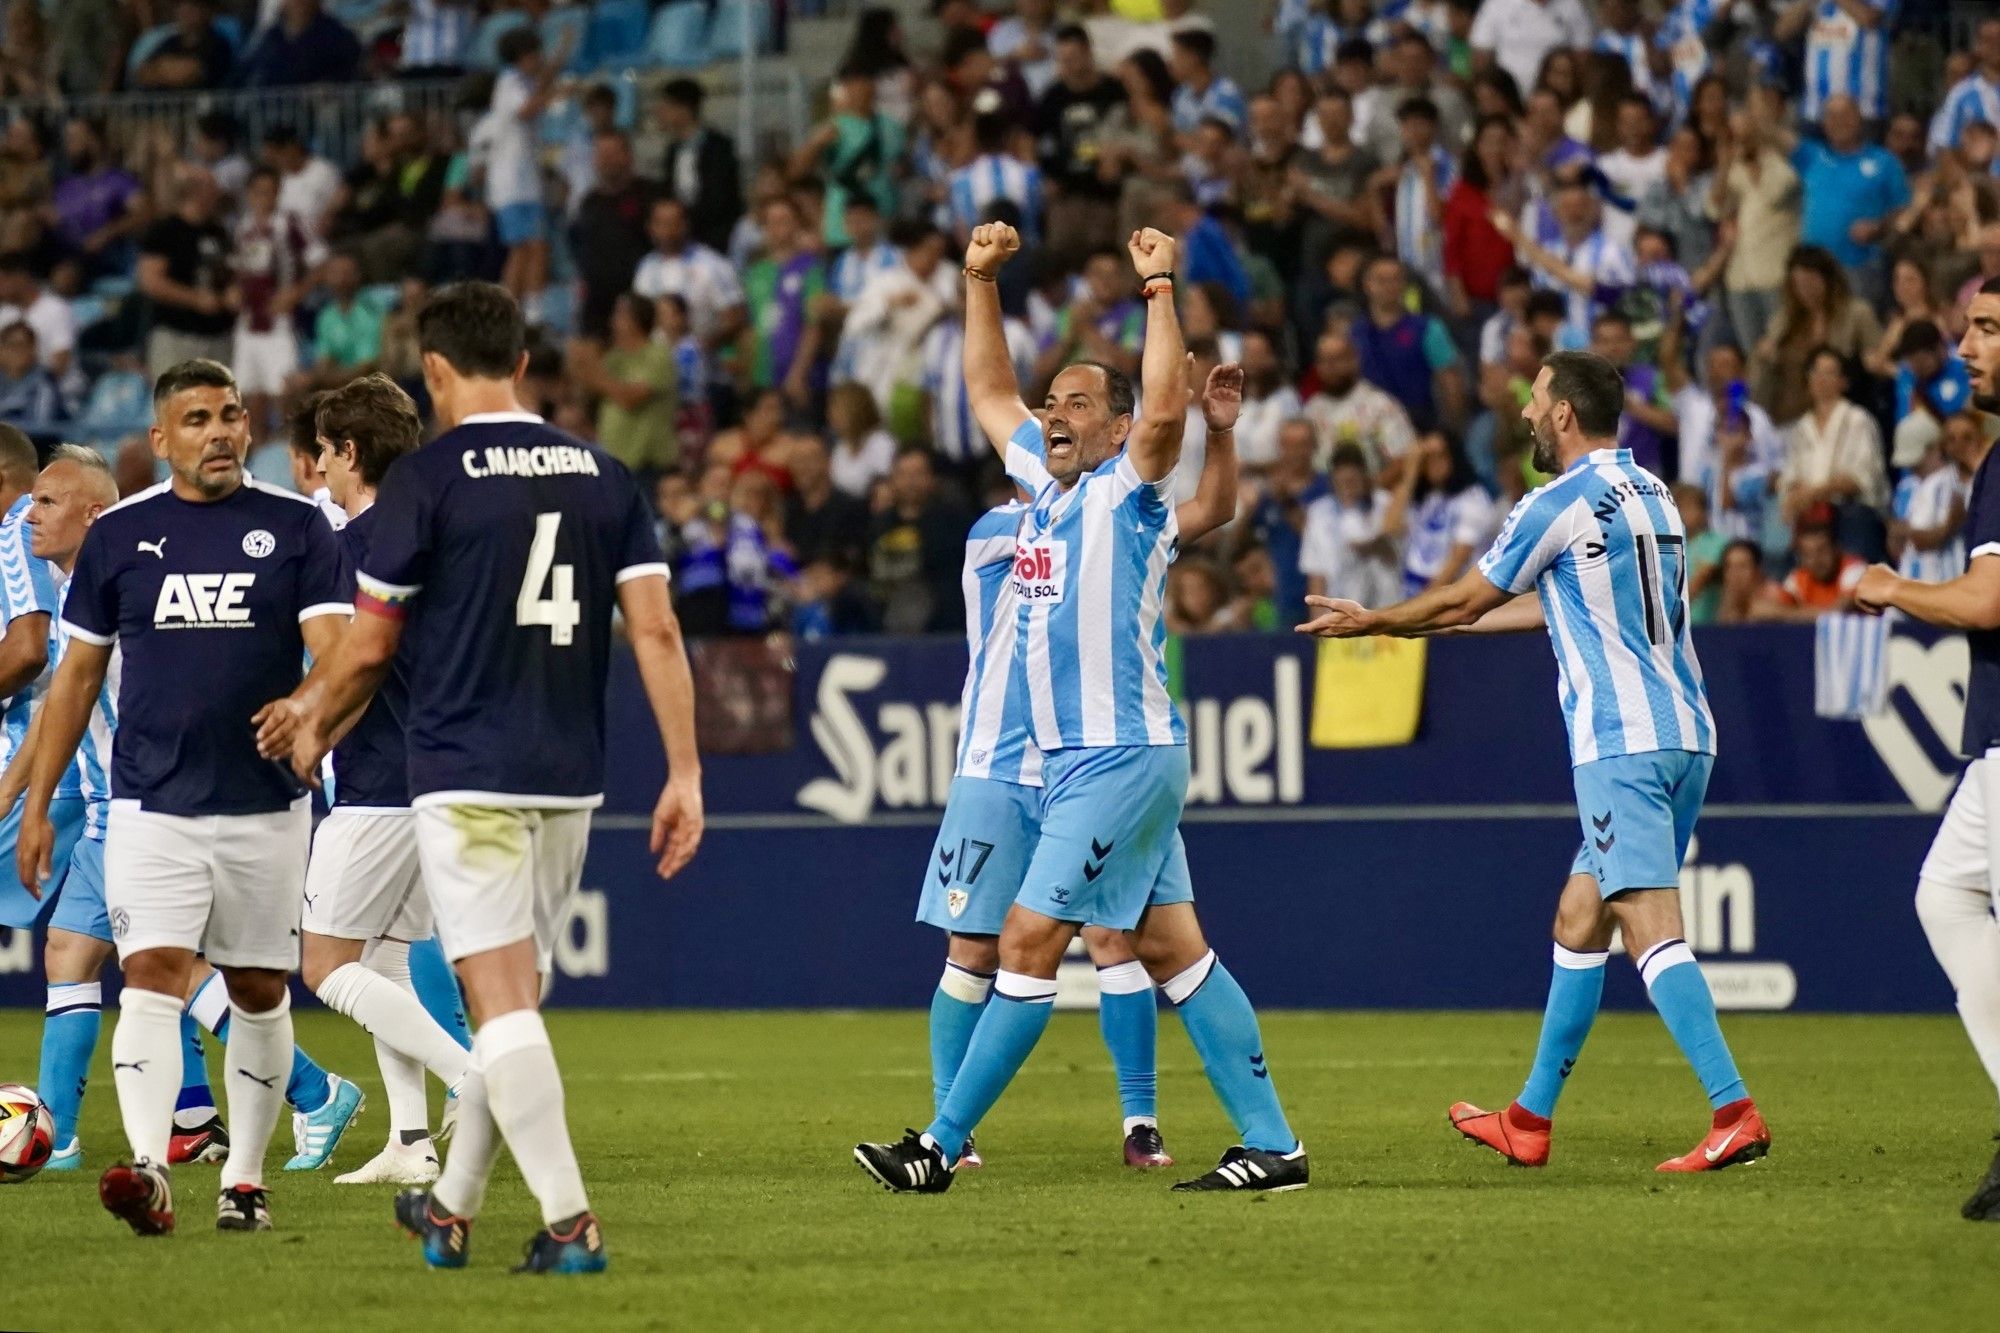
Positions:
{"x": 1966, "y": 940}
{"x": 256, "y": 1064}
{"x": 395, "y": 1018}
{"x": 146, "y": 1067}
{"x": 461, "y": 1189}
{"x": 525, "y": 1091}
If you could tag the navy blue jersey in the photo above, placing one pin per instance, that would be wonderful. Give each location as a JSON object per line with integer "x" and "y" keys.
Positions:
{"x": 371, "y": 763}
{"x": 205, "y": 603}
{"x": 1982, "y": 683}
{"x": 504, "y": 542}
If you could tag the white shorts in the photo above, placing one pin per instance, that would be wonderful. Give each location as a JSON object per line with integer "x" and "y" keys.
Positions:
{"x": 263, "y": 361}
{"x": 497, "y": 875}
{"x": 364, "y": 881}
{"x": 1963, "y": 854}
{"x": 226, "y": 886}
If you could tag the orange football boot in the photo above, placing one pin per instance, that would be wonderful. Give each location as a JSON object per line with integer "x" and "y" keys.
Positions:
{"x": 1738, "y": 1135}
{"x": 1517, "y": 1134}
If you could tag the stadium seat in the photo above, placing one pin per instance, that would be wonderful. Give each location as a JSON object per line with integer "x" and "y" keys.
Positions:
{"x": 618, "y": 33}
{"x": 725, "y": 28}
{"x": 120, "y": 404}
{"x": 484, "y": 51}
{"x": 678, "y": 38}
{"x": 568, "y": 25}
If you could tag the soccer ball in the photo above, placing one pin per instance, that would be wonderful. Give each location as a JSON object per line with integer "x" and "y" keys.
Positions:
{"x": 27, "y": 1133}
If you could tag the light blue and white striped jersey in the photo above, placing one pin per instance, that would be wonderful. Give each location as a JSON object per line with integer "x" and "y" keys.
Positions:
{"x": 1222, "y": 99}
{"x": 1419, "y": 228}
{"x": 1090, "y": 581}
{"x": 1633, "y": 49}
{"x": 1972, "y": 98}
{"x": 1604, "y": 545}
{"x": 954, "y": 431}
{"x": 851, "y": 271}
{"x": 89, "y": 774}
{"x": 1610, "y": 266}
{"x": 1680, "y": 35}
{"x": 990, "y": 177}
{"x": 26, "y": 587}
{"x": 1843, "y": 57}
{"x": 993, "y": 739}
{"x": 1930, "y": 502}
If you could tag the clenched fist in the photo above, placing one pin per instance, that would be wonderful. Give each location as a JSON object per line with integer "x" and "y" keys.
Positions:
{"x": 1152, "y": 252}
{"x": 992, "y": 245}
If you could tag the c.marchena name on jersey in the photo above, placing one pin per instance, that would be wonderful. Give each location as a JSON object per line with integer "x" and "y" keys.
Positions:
{"x": 204, "y": 601}
{"x": 541, "y": 460}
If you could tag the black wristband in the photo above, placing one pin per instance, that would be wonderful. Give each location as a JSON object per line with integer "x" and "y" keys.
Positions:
{"x": 1168, "y": 275}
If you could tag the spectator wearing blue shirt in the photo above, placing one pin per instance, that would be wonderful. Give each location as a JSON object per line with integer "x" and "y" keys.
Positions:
{"x": 1931, "y": 388}
{"x": 1202, "y": 93}
{"x": 304, "y": 46}
{"x": 1207, "y": 254}
{"x": 29, "y": 398}
{"x": 1852, "y": 191}
{"x": 1405, "y": 353}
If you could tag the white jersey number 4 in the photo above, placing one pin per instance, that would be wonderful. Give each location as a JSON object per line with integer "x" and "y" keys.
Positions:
{"x": 560, "y": 610}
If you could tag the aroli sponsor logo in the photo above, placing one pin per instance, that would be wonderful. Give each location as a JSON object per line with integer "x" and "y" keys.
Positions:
{"x": 899, "y": 755}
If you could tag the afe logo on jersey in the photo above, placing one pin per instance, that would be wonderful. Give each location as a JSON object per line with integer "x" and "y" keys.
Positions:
{"x": 1039, "y": 571}
{"x": 258, "y": 544}
{"x": 203, "y": 601}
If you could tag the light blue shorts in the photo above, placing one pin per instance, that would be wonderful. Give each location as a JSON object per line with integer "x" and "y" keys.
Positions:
{"x": 981, "y": 856}
{"x": 1638, "y": 812}
{"x": 80, "y": 907}
{"x": 17, "y": 909}
{"x": 520, "y": 223}
{"x": 1110, "y": 845}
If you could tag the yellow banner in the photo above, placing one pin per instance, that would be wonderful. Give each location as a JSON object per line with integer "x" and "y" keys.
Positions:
{"x": 1367, "y": 692}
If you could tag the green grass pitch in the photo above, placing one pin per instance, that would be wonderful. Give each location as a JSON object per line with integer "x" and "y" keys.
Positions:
{"x": 717, "y": 1147}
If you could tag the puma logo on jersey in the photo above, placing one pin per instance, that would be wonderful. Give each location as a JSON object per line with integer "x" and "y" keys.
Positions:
{"x": 191, "y": 600}
{"x": 158, "y": 548}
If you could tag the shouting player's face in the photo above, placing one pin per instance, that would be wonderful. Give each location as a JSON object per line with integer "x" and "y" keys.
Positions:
{"x": 1078, "y": 426}
{"x": 204, "y": 435}
{"x": 1980, "y": 349}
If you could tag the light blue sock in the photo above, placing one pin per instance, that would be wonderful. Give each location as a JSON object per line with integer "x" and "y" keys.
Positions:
{"x": 1681, "y": 994}
{"x": 1223, "y": 1028}
{"x": 955, "y": 1008}
{"x": 1575, "y": 990}
{"x": 306, "y": 1090}
{"x": 1130, "y": 1020}
{"x": 69, "y": 1039}
{"x": 196, "y": 1096}
{"x": 437, "y": 989}
{"x": 1013, "y": 1022}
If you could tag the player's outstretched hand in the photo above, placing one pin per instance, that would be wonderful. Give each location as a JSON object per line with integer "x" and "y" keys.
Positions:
{"x": 677, "y": 825}
{"x": 1152, "y": 251}
{"x": 992, "y": 245}
{"x": 277, "y": 725}
{"x": 32, "y": 847}
{"x": 1877, "y": 586}
{"x": 1222, "y": 397}
{"x": 1339, "y": 618}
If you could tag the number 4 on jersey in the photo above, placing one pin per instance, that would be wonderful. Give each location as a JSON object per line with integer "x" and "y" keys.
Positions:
{"x": 560, "y": 610}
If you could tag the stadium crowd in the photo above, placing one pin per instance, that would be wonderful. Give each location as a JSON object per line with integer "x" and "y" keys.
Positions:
{"x": 1748, "y": 205}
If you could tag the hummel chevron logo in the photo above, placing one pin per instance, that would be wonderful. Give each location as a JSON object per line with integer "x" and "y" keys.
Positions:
{"x": 1257, "y": 1066}
{"x": 270, "y": 1082}
{"x": 944, "y": 876}
{"x": 944, "y": 855}
{"x": 1567, "y": 1065}
{"x": 1101, "y": 852}
{"x": 1605, "y": 844}
{"x": 1601, "y": 824}
{"x": 158, "y": 548}
{"x": 1091, "y": 872}
{"x": 136, "y": 1066}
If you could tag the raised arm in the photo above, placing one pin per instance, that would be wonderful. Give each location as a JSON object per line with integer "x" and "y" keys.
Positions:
{"x": 1155, "y": 443}
{"x": 1214, "y": 502}
{"x": 990, "y": 386}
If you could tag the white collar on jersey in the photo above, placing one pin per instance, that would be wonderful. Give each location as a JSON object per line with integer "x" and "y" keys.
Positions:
{"x": 499, "y": 418}
{"x": 1613, "y": 455}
